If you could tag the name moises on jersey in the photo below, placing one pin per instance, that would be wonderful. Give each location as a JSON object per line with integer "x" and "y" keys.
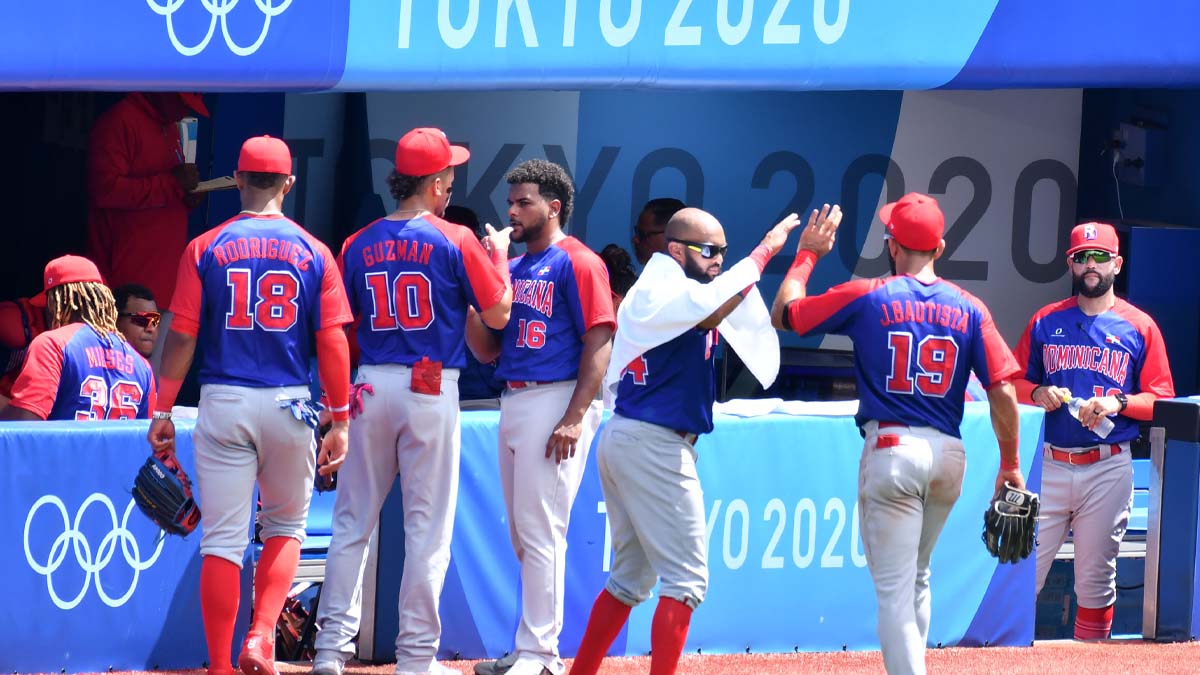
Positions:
{"x": 535, "y": 293}
{"x": 109, "y": 359}
{"x": 396, "y": 250}
{"x": 929, "y": 312}
{"x": 268, "y": 248}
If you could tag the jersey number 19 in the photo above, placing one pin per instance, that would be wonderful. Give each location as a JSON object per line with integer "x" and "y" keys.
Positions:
{"x": 936, "y": 358}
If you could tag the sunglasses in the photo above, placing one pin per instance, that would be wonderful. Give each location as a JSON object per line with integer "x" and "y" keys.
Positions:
{"x": 143, "y": 319}
{"x": 705, "y": 249}
{"x": 1100, "y": 257}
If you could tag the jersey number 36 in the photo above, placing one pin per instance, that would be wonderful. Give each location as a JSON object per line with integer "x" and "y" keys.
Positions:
{"x": 931, "y": 372}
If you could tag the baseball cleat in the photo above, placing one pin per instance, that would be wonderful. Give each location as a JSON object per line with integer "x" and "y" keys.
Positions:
{"x": 497, "y": 667}
{"x": 257, "y": 655}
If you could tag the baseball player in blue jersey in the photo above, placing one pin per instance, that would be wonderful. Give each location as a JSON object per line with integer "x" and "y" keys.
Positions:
{"x": 915, "y": 336}
{"x": 553, "y": 354}
{"x": 260, "y": 295}
{"x": 411, "y": 277}
{"x": 1097, "y": 347}
{"x": 82, "y": 368}
{"x": 667, "y": 331}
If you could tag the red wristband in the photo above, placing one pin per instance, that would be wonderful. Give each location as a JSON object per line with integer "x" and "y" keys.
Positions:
{"x": 500, "y": 262}
{"x": 802, "y": 266}
{"x": 168, "y": 391}
{"x": 1008, "y": 448}
{"x": 761, "y": 255}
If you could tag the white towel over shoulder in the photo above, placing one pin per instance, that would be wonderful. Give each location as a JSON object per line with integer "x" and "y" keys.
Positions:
{"x": 664, "y": 303}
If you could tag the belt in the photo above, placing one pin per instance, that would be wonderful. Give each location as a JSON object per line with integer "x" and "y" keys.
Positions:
{"x": 1081, "y": 458}
{"x": 521, "y": 384}
{"x": 687, "y": 436}
{"x": 885, "y": 425}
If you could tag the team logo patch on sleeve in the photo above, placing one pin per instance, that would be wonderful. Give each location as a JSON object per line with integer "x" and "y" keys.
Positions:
{"x": 1112, "y": 339}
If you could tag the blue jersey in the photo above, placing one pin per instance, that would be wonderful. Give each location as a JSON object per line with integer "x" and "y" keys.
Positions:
{"x": 259, "y": 287}
{"x": 1120, "y": 350}
{"x": 74, "y": 373}
{"x": 410, "y": 283}
{"x": 558, "y": 294}
{"x": 673, "y": 385}
{"x": 914, "y": 345}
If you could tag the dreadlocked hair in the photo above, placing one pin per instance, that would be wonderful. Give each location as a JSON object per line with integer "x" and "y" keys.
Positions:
{"x": 94, "y": 302}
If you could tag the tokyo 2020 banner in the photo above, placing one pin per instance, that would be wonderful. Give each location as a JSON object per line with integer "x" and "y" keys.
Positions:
{"x": 293, "y": 45}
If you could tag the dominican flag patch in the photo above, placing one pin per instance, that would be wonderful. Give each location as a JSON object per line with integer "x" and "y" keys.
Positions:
{"x": 1112, "y": 339}
{"x": 544, "y": 271}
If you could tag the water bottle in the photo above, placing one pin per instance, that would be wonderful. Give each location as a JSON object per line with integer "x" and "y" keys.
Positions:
{"x": 1103, "y": 429}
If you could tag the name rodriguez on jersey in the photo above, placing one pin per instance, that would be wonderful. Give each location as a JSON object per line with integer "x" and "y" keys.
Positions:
{"x": 268, "y": 248}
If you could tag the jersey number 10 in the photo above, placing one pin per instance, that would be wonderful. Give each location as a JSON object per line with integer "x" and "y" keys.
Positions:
{"x": 935, "y": 361}
{"x": 404, "y": 303}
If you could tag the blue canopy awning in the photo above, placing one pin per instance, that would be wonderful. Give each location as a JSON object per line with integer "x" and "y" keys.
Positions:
{"x": 307, "y": 45}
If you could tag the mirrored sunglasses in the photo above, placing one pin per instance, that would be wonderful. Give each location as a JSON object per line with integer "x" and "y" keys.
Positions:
{"x": 1100, "y": 257}
{"x": 705, "y": 249}
{"x": 143, "y": 319}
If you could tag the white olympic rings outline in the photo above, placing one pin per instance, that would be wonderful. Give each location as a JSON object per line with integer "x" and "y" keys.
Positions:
{"x": 218, "y": 10}
{"x": 83, "y": 550}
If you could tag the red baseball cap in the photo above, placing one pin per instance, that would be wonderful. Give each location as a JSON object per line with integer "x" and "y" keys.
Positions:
{"x": 1098, "y": 236}
{"x": 194, "y": 101}
{"x": 915, "y": 221}
{"x": 67, "y": 269}
{"x": 426, "y": 151}
{"x": 264, "y": 154}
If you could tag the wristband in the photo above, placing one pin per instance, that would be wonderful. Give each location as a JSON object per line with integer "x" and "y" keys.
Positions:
{"x": 761, "y": 255}
{"x": 802, "y": 266}
{"x": 500, "y": 262}
{"x": 1008, "y": 448}
{"x": 168, "y": 391}
{"x": 161, "y": 415}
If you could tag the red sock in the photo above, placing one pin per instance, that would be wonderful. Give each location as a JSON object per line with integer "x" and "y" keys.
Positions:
{"x": 272, "y": 582}
{"x": 219, "y": 591}
{"x": 1093, "y": 624}
{"x": 608, "y": 616}
{"x": 668, "y": 632}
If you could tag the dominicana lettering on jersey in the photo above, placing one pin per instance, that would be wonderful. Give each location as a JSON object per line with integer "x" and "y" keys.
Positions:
{"x": 1110, "y": 362}
{"x": 535, "y": 293}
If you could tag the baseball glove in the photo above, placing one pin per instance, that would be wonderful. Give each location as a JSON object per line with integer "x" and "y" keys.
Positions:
{"x": 163, "y": 492}
{"x": 1010, "y": 523}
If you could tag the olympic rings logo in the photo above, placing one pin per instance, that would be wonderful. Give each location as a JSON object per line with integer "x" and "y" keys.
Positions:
{"x": 218, "y": 11}
{"x": 92, "y": 566}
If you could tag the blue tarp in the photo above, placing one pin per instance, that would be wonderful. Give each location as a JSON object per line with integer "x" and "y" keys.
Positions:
{"x": 288, "y": 45}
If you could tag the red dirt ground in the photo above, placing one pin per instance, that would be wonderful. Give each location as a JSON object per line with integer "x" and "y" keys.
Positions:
{"x": 1117, "y": 657}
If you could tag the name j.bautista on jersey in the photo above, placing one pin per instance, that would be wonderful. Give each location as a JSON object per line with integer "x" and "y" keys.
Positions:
{"x": 924, "y": 312}
{"x": 245, "y": 248}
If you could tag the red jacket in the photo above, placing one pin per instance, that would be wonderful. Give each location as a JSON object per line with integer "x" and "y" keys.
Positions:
{"x": 137, "y": 221}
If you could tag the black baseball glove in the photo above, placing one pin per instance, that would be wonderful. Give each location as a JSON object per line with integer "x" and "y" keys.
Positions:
{"x": 1010, "y": 523}
{"x": 163, "y": 492}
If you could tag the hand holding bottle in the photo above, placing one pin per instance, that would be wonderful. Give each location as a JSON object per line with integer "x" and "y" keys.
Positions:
{"x": 1090, "y": 414}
